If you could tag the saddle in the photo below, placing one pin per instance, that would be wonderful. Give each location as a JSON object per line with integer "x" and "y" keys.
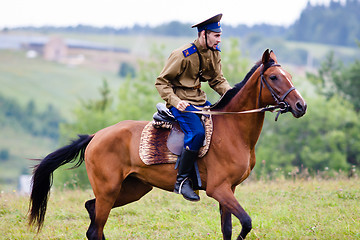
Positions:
{"x": 162, "y": 140}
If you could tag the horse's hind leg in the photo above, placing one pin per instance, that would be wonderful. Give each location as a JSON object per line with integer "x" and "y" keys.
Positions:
{"x": 98, "y": 210}
{"x": 132, "y": 189}
{"x": 90, "y": 207}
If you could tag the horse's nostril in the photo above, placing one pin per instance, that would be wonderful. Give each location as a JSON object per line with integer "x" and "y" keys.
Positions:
{"x": 299, "y": 106}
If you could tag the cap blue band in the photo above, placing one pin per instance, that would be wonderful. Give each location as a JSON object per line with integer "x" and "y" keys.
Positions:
{"x": 211, "y": 27}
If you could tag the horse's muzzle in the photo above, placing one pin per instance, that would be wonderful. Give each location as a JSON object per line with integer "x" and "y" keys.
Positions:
{"x": 299, "y": 109}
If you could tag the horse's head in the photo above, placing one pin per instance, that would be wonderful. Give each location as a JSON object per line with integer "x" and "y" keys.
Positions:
{"x": 280, "y": 88}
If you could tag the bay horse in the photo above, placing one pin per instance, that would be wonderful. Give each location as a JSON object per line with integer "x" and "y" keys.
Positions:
{"x": 118, "y": 176}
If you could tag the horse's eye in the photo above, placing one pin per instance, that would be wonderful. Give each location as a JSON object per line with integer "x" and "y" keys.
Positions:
{"x": 273, "y": 77}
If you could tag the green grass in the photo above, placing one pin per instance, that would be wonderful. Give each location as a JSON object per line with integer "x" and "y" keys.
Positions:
{"x": 280, "y": 210}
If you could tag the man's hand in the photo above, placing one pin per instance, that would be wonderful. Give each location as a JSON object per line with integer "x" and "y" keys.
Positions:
{"x": 182, "y": 105}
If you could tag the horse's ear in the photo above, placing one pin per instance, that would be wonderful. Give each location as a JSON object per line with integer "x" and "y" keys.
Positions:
{"x": 266, "y": 57}
{"x": 273, "y": 56}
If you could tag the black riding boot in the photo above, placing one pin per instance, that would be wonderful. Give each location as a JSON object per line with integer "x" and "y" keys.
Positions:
{"x": 183, "y": 183}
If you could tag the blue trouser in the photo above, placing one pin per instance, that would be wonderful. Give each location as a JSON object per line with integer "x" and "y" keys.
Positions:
{"x": 192, "y": 126}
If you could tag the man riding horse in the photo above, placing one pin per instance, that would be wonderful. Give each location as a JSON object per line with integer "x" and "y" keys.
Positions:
{"x": 179, "y": 84}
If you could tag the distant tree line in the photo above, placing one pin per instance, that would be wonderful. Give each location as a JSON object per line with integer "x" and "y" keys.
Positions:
{"x": 338, "y": 24}
{"x": 29, "y": 118}
{"x": 174, "y": 28}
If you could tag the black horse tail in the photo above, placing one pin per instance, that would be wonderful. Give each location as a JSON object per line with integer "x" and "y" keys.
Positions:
{"x": 43, "y": 176}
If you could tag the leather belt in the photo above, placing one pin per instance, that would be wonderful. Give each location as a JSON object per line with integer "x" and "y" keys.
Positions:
{"x": 192, "y": 88}
{"x": 197, "y": 87}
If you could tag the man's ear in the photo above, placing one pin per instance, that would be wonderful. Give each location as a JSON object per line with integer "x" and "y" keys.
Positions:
{"x": 201, "y": 36}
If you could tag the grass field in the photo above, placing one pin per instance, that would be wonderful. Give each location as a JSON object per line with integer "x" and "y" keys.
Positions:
{"x": 314, "y": 209}
{"x": 47, "y": 83}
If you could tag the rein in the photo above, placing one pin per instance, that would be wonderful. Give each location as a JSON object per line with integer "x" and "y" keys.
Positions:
{"x": 207, "y": 111}
{"x": 283, "y": 106}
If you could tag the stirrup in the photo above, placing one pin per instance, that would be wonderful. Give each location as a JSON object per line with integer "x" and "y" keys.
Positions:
{"x": 181, "y": 184}
{"x": 193, "y": 198}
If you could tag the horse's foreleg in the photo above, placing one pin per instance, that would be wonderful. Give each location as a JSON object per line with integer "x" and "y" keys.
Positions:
{"x": 229, "y": 205}
{"x": 226, "y": 224}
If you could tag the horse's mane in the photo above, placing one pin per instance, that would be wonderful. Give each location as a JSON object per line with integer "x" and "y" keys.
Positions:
{"x": 225, "y": 99}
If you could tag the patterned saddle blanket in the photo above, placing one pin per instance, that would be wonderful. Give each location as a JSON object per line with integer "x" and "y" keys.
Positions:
{"x": 160, "y": 145}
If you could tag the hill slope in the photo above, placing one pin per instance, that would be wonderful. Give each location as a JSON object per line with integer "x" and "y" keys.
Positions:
{"x": 45, "y": 83}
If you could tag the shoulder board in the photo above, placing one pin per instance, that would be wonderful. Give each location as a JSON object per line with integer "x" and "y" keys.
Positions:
{"x": 189, "y": 51}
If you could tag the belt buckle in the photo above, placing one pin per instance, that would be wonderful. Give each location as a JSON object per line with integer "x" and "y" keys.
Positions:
{"x": 197, "y": 87}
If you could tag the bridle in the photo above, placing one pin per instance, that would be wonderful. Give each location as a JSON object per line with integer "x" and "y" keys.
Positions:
{"x": 280, "y": 100}
{"x": 281, "y": 107}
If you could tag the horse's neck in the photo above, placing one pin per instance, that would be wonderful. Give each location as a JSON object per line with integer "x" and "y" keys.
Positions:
{"x": 248, "y": 125}
{"x": 245, "y": 99}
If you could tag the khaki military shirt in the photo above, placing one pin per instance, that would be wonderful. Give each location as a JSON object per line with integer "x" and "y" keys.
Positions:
{"x": 179, "y": 79}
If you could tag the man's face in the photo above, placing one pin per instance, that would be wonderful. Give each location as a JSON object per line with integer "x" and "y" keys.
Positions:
{"x": 213, "y": 39}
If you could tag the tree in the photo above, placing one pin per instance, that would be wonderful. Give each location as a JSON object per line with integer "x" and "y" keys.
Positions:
{"x": 322, "y": 24}
{"x": 349, "y": 84}
{"x": 38, "y": 123}
{"x": 334, "y": 78}
{"x": 328, "y": 73}
{"x": 4, "y": 154}
{"x": 126, "y": 69}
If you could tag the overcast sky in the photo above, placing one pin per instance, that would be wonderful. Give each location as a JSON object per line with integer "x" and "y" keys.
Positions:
{"x": 121, "y": 13}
